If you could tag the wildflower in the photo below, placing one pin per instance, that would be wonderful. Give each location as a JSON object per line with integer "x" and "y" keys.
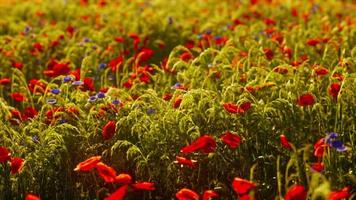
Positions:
{"x": 102, "y": 65}
{"x": 119, "y": 194}
{"x": 232, "y": 140}
{"x": 119, "y": 39}
{"x": 17, "y": 96}
{"x": 344, "y": 193}
{"x": 205, "y": 143}
{"x": 177, "y": 102}
{"x": 55, "y": 91}
{"x": 78, "y": 83}
{"x": 67, "y": 79}
{"x": 280, "y": 70}
{"x": 144, "y": 186}
{"x": 88, "y": 164}
{"x": 242, "y": 186}
{"x": 306, "y": 99}
{"x": 29, "y": 112}
{"x": 268, "y": 53}
{"x": 35, "y": 139}
{"x": 116, "y": 102}
{"x": 32, "y": 197}
{"x": 101, "y": 95}
{"x": 187, "y": 194}
{"x": 167, "y": 97}
{"x": 151, "y": 111}
{"x": 106, "y": 172}
{"x": 321, "y": 71}
{"x": 51, "y": 101}
{"x": 331, "y": 140}
{"x": 208, "y": 194}
{"x": 233, "y": 108}
{"x": 5, "y": 81}
{"x": 334, "y": 90}
{"x": 88, "y": 84}
{"x": 123, "y": 179}
{"x": 296, "y": 192}
{"x": 16, "y": 64}
{"x": 186, "y": 161}
{"x": 284, "y": 141}
{"x": 318, "y": 166}
{"x": 313, "y": 42}
{"x": 16, "y": 165}
{"x": 5, "y": 155}
{"x": 319, "y": 148}
{"x": 186, "y": 56}
{"x": 109, "y": 130}
{"x": 245, "y": 197}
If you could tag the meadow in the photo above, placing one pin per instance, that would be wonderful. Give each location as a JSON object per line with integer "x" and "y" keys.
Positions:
{"x": 177, "y": 99}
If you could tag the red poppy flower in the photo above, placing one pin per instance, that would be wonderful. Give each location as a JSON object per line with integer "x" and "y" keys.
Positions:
{"x": 334, "y": 90}
{"x": 340, "y": 194}
{"x": 287, "y": 51}
{"x": 115, "y": 63}
{"x": 36, "y": 85}
{"x": 190, "y": 44}
{"x": 38, "y": 46}
{"x": 88, "y": 84}
{"x": 245, "y": 106}
{"x": 318, "y": 166}
{"x": 280, "y": 70}
{"x": 208, "y": 194}
{"x": 268, "y": 53}
{"x": 123, "y": 179}
{"x": 16, "y": 165}
{"x": 19, "y": 97}
{"x": 233, "y": 108}
{"x": 109, "y": 130}
{"x": 119, "y": 39}
{"x": 70, "y": 30}
{"x": 186, "y": 56}
{"x": 321, "y": 71}
{"x": 187, "y": 194}
{"x": 16, "y": 64}
{"x": 186, "y": 161}
{"x": 242, "y": 186}
{"x": 232, "y": 140}
{"x": 5, "y": 81}
{"x": 167, "y": 97}
{"x": 106, "y": 172}
{"x": 29, "y": 113}
{"x": 338, "y": 76}
{"x": 32, "y": 197}
{"x": 245, "y": 197}
{"x": 177, "y": 102}
{"x": 313, "y": 42}
{"x": 306, "y": 99}
{"x": 5, "y": 155}
{"x": 144, "y": 186}
{"x": 16, "y": 114}
{"x": 145, "y": 54}
{"x": 145, "y": 78}
{"x": 119, "y": 194}
{"x": 205, "y": 143}
{"x": 284, "y": 141}
{"x": 88, "y": 164}
{"x": 319, "y": 148}
{"x": 296, "y": 192}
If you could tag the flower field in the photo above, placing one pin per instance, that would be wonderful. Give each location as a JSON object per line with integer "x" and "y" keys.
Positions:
{"x": 177, "y": 99}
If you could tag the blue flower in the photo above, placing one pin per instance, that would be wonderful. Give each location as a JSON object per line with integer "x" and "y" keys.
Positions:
{"x": 102, "y": 65}
{"x": 51, "y": 101}
{"x": 67, "y": 79}
{"x": 151, "y": 111}
{"x": 116, "y": 102}
{"x": 94, "y": 47}
{"x": 208, "y": 31}
{"x": 101, "y": 95}
{"x": 35, "y": 139}
{"x": 78, "y": 83}
{"x": 55, "y": 91}
{"x": 86, "y": 40}
{"x": 338, "y": 145}
{"x": 62, "y": 121}
{"x": 92, "y": 98}
{"x": 176, "y": 86}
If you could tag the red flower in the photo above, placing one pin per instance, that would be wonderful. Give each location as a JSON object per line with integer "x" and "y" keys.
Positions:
{"x": 190, "y": 44}
{"x": 128, "y": 84}
{"x": 119, "y": 194}
{"x": 187, "y": 194}
{"x": 123, "y": 179}
{"x": 19, "y": 97}
{"x": 268, "y": 53}
{"x": 205, "y": 143}
{"x": 334, "y": 90}
{"x": 284, "y": 141}
{"x": 88, "y": 164}
{"x": 186, "y": 56}
{"x": 29, "y": 113}
{"x": 109, "y": 130}
{"x": 338, "y": 76}
{"x": 106, "y": 172}
{"x": 321, "y": 71}
{"x": 177, "y": 102}
{"x": 186, "y": 161}
{"x": 318, "y": 166}
{"x": 18, "y": 65}
{"x": 307, "y": 99}
{"x": 296, "y": 192}
{"x": 245, "y": 197}
{"x": 232, "y": 140}
{"x": 245, "y": 106}
{"x": 280, "y": 70}
{"x": 233, "y": 108}
{"x": 167, "y": 97}
{"x": 269, "y": 21}
{"x": 36, "y": 85}
{"x": 115, "y": 63}
{"x": 145, "y": 78}
{"x": 5, "y": 81}
{"x": 5, "y": 155}
{"x": 242, "y": 186}
{"x": 319, "y": 148}
{"x": 32, "y": 197}
{"x": 313, "y": 42}
{"x": 119, "y": 39}
{"x": 340, "y": 194}
{"x": 88, "y": 84}
{"x": 16, "y": 165}
{"x": 208, "y": 194}
{"x": 144, "y": 186}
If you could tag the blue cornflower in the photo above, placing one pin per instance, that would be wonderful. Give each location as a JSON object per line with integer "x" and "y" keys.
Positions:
{"x": 86, "y": 40}
{"x": 102, "y": 65}
{"x": 35, "y": 139}
{"x": 94, "y": 47}
{"x": 116, "y": 102}
{"x": 176, "y": 86}
{"x": 101, "y": 95}
{"x": 208, "y": 31}
{"x": 27, "y": 29}
{"x": 67, "y": 79}
{"x": 51, "y": 101}
{"x": 331, "y": 140}
{"x": 78, "y": 83}
{"x": 92, "y": 98}
{"x": 151, "y": 111}
{"x": 55, "y": 91}
{"x": 62, "y": 121}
